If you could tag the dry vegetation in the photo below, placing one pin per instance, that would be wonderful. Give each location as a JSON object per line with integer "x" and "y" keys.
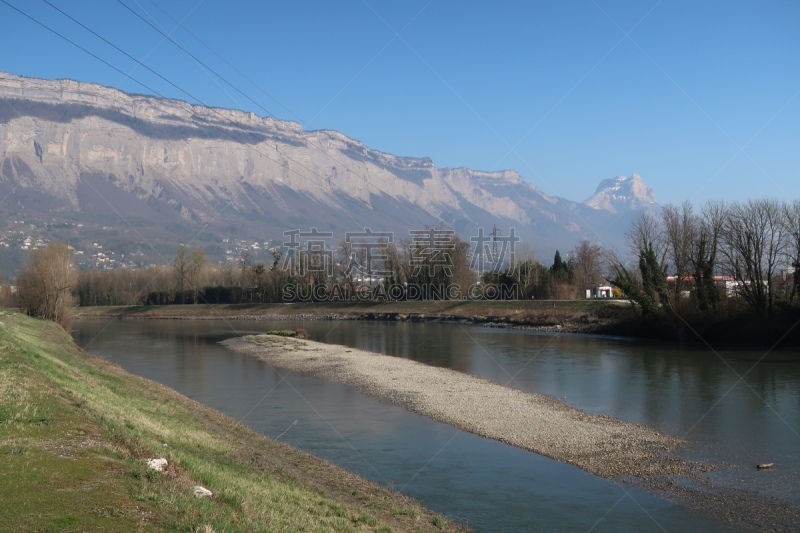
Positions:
{"x": 570, "y": 315}
{"x": 44, "y": 286}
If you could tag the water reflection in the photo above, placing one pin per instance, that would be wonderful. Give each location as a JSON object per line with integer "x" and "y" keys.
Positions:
{"x": 737, "y": 407}
{"x": 684, "y": 391}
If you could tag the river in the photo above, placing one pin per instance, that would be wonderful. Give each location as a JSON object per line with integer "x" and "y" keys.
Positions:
{"x": 734, "y": 407}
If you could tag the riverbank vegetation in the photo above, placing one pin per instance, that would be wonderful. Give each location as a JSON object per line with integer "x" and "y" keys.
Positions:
{"x": 76, "y": 432}
{"x": 438, "y": 270}
{"x": 720, "y": 272}
{"x": 723, "y": 272}
{"x": 45, "y": 286}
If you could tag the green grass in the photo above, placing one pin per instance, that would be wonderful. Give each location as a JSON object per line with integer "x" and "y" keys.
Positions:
{"x": 270, "y": 340}
{"x": 282, "y": 333}
{"x": 75, "y": 432}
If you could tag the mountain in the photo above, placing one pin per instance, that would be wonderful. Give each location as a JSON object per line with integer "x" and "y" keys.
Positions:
{"x": 622, "y": 194}
{"x": 124, "y": 178}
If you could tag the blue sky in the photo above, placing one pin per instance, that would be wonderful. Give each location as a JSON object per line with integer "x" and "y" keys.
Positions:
{"x": 702, "y": 99}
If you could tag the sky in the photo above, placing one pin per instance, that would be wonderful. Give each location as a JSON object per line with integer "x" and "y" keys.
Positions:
{"x": 700, "y": 98}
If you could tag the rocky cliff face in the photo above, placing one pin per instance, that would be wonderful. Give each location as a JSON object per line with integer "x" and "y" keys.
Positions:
{"x": 622, "y": 194}
{"x": 165, "y": 171}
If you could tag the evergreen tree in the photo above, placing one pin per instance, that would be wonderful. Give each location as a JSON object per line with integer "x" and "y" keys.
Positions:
{"x": 561, "y": 271}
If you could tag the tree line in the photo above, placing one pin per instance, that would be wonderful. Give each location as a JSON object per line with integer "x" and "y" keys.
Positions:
{"x": 395, "y": 271}
{"x": 294, "y": 275}
{"x": 584, "y": 268}
{"x": 720, "y": 255}
{"x": 438, "y": 269}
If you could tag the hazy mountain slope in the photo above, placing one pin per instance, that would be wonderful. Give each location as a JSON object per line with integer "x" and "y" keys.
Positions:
{"x": 137, "y": 170}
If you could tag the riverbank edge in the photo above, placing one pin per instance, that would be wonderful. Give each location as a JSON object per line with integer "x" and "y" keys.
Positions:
{"x": 76, "y": 432}
{"x": 653, "y": 466}
{"x": 616, "y": 318}
{"x": 567, "y": 316}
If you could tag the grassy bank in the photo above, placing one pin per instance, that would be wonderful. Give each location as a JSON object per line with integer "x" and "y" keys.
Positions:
{"x": 572, "y": 315}
{"x": 76, "y": 431}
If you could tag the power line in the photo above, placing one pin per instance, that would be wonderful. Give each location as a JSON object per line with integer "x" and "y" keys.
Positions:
{"x": 191, "y": 110}
{"x": 170, "y": 39}
{"x": 190, "y": 95}
{"x": 79, "y": 47}
{"x": 319, "y": 149}
{"x": 221, "y": 57}
{"x": 126, "y": 54}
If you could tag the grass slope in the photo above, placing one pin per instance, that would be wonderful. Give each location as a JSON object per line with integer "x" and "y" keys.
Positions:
{"x": 75, "y": 432}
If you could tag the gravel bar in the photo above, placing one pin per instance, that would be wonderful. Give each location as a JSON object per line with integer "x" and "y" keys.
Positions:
{"x": 598, "y": 444}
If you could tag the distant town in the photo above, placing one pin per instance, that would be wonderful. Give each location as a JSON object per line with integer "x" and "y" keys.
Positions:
{"x": 26, "y": 235}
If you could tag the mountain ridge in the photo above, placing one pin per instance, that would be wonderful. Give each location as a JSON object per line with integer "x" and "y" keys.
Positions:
{"x": 80, "y": 152}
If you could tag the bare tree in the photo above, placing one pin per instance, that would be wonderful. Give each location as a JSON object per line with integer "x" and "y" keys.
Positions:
{"x": 6, "y": 295}
{"x": 188, "y": 269}
{"x": 706, "y": 230}
{"x": 181, "y": 265}
{"x": 753, "y": 240}
{"x": 524, "y": 271}
{"x": 678, "y": 224}
{"x": 439, "y": 263}
{"x": 245, "y": 264}
{"x": 463, "y": 276}
{"x": 791, "y": 221}
{"x": 228, "y": 275}
{"x": 395, "y": 266}
{"x": 587, "y": 265}
{"x": 195, "y": 271}
{"x": 44, "y": 286}
{"x": 646, "y": 234}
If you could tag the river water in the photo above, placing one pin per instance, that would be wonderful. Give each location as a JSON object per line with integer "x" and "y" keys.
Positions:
{"x": 735, "y": 408}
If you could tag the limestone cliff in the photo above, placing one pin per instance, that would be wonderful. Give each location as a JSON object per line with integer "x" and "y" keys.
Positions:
{"x": 168, "y": 170}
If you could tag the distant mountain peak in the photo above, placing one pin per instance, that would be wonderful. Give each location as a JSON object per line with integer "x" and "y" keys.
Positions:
{"x": 622, "y": 194}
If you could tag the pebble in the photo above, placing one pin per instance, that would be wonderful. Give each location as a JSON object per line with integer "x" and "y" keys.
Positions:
{"x": 202, "y": 492}
{"x": 159, "y": 465}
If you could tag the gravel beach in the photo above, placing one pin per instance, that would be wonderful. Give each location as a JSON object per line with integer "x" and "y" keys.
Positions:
{"x": 598, "y": 444}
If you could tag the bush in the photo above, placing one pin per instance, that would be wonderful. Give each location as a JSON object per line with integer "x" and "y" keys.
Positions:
{"x": 282, "y": 332}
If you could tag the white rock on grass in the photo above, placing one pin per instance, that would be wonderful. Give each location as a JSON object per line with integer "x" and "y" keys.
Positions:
{"x": 159, "y": 465}
{"x": 202, "y": 492}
